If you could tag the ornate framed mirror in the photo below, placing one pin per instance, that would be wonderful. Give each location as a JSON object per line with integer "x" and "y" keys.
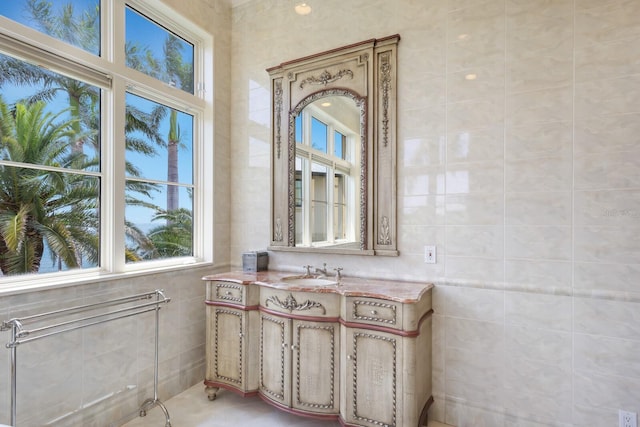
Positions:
{"x": 333, "y": 157}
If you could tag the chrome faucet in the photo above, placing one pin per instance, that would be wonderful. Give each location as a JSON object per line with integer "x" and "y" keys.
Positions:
{"x": 338, "y": 273}
{"x": 308, "y": 268}
{"x": 323, "y": 270}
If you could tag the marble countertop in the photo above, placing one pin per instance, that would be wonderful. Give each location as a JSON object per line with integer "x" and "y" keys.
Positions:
{"x": 393, "y": 290}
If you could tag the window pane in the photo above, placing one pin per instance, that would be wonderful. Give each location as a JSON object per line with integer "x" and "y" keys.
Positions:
{"x": 159, "y": 141}
{"x": 43, "y": 100}
{"x": 299, "y": 129}
{"x": 339, "y": 207}
{"x": 157, "y": 52}
{"x": 300, "y": 208}
{"x": 153, "y": 230}
{"x": 48, "y": 128}
{"x": 319, "y": 134}
{"x": 49, "y": 220}
{"x": 339, "y": 145}
{"x": 159, "y": 151}
{"x": 319, "y": 203}
{"x": 76, "y": 22}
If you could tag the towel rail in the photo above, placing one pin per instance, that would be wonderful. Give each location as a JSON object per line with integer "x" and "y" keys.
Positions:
{"x": 21, "y": 335}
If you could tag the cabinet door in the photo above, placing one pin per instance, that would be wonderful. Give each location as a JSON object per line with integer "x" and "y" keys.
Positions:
{"x": 227, "y": 346}
{"x": 275, "y": 358}
{"x": 373, "y": 365}
{"x": 316, "y": 350}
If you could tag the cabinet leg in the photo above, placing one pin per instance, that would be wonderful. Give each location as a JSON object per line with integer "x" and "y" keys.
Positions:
{"x": 211, "y": 392}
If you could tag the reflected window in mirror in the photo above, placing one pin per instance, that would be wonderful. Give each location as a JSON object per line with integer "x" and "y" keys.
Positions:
{"x": 327, "y": 173}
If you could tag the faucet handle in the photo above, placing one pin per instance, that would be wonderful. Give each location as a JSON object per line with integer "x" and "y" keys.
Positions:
{"x": 338, "y": 274}
{"x": 308, "y": 267}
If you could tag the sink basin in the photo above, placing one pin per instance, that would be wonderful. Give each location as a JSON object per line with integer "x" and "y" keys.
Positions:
{"x": 308, "y": 281}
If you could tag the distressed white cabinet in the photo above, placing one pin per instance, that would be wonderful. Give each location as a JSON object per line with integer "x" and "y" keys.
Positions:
{"x": 232, "y": 312}
{"x": 299, "y": 351}
{"x": 359, "y": 352}
{"x": 387, "y": 362}
{"x": 299, "y": 363}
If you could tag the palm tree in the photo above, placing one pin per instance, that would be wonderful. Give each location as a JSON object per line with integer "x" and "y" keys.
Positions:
{"x": 81, "y": 30}
{"x": 181, "y": 73}
{"x": 39, "y": 208}
{"x": 174, "y": 238}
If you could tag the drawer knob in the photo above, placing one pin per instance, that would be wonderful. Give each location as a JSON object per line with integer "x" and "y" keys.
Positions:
{"x": 240, "y": 334}
{"x": 374, "y": 312}
{"x": 228, "y": 293}
{"x": 284, "y": 345}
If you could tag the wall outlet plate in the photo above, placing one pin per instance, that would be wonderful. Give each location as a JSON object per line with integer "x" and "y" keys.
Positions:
{"x": 627, "y": 419}
{"x": 430, "y": 254}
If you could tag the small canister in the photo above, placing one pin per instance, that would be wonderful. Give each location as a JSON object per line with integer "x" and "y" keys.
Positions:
{"x": 255, "y": 261}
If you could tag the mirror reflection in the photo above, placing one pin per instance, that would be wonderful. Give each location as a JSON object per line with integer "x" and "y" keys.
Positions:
{"x": 328, "y": 173}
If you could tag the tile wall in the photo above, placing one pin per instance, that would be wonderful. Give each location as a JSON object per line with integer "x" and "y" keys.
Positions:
{"x": 519, "y": 157}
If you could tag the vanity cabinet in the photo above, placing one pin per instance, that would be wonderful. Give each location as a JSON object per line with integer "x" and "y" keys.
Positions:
{"x": 373, "y": 360}
{"x": 232, "y": 313}
{"x": 387, "y": 363}
{"x": 299, "y": 363}
{"x": 299, "y": 351}
{"x": 359, "y": 352}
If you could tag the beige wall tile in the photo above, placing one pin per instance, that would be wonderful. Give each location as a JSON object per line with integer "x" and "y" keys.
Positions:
{"x": 527, "y": 340}
{"x": 538, "y": 311}
{"x": 607, "y": 244}
{"x": 623, "y": 318}
{"x": 547, "y": 276}
{"x": 538, "y": 208}
{"x": 607, "y": 356}
{"x": 475, "y": 241}
{"x": 471, "y": 303}
{"x": 538, "y": 242}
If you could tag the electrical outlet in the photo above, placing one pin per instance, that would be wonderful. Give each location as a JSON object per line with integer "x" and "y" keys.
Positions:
{"x": 627, "y": 419}
{"x": 430, "y": 254}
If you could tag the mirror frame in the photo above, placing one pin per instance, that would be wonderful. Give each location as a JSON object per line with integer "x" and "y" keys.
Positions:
{"x": 367, "y": 73}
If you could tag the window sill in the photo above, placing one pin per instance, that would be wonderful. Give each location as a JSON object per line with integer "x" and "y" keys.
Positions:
{"x": 47, "y": 283}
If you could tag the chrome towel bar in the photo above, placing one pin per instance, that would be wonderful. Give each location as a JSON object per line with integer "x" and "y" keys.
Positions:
{"x": 21, "y": 335}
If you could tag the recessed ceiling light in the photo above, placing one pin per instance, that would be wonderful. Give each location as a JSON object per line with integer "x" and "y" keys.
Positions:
{"x": 303, "y": 8}
{"x": 471, "y": 76}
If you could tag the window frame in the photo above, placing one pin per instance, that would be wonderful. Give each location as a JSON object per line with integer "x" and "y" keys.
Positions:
{"x": 110, "y": 73}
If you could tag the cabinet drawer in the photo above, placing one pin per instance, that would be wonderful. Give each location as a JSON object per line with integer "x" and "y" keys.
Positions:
{"x": 374, "y": 312}
{"x": 226, "y": 291}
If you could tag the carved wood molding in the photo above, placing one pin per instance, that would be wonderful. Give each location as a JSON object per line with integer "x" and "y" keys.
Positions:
{"x": 325, "y": 78}
{"x": 291, "y": 304}
{"x": 278, "y": 230}
{"x": 278, "y": 113}
{"x": 385, "y": 88}
{"x": 384, "y": 236}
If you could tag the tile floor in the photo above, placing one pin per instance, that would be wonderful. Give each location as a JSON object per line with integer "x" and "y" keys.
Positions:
{"x": 191, "y": 408}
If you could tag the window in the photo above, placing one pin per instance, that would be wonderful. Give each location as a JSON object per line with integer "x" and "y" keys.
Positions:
{"x": 102, "y": 156}
{"x": 324, "y": 184}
